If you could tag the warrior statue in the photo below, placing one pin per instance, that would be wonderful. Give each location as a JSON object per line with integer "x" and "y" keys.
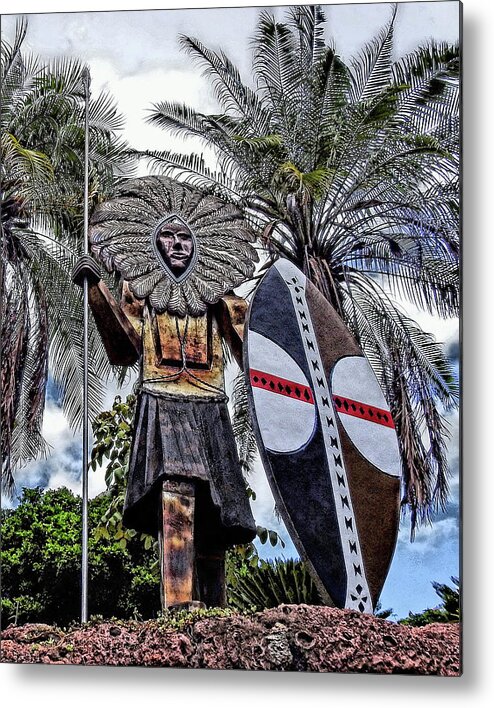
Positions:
{"x": 179, "y": 254}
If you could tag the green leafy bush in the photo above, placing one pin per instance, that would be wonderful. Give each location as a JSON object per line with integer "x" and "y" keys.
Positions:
{"x": 269, "y": 584}
{"x": 41, "y": 563}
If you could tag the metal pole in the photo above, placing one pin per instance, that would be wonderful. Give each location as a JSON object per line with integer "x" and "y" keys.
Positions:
{"x": 85, "y": 430}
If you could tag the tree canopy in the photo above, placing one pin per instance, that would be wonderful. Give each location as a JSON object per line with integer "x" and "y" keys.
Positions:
{"x": 41, "y": 563}
{"x": 447, "y": 611}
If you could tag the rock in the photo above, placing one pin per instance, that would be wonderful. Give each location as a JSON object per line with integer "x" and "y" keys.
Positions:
{"x": 288, "y": 638}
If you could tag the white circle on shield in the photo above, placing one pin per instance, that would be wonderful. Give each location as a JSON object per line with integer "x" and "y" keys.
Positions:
{"x": 283, "y": 399}
{"x": 364, "y": 413}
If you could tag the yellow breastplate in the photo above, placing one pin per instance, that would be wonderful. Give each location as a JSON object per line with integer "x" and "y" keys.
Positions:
{"x": 182, "y": 356}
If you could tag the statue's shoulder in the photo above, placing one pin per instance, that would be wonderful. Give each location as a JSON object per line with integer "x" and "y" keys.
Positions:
{"x": 132, "y": 306}
{"x": 236, "y": 305}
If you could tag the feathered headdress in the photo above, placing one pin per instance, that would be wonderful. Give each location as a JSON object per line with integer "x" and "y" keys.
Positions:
{"x": 123, "y": 237}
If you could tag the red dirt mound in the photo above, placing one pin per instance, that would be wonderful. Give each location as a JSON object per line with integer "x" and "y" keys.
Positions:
{"x": 288, "y": 638}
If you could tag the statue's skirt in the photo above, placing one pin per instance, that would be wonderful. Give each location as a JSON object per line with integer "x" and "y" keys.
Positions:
{"x": 188, "y": 439}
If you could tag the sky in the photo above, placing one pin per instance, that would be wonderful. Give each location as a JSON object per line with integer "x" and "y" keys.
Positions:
{"x": 136, "y": 57}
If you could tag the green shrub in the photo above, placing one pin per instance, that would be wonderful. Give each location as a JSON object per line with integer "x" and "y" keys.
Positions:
{"x": 41, "y": 563}
{"x": 447, "y": 611}
{"x": 270, "y": 584}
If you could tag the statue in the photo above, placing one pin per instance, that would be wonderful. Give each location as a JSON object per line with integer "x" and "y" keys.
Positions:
{"x": 325, "y": 433}
{"x": 179, "y": 254}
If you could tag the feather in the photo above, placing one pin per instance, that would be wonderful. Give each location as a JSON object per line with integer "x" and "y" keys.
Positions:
{"x": 208, "y": 289}
{"x": 144, "y": 284}
{"x": 192, "y": 201}
{"x": 195, "y": 305}
{"x": 243, "y": 267}
{"x": 111, "y": 229}
{"x": 206, "y": 211}
{"x": 177, "y": 304}
{"x": 131, "y": 268}
{"x": 160, "y": 295}
{"x": 130, "y": 211}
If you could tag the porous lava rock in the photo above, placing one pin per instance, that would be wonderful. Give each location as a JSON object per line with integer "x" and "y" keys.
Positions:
{"x": 288, "y": 638}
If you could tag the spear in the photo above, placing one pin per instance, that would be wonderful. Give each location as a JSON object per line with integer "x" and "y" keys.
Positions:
{"x": 86, "y": 79}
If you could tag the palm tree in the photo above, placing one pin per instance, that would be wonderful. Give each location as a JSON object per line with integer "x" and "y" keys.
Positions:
{"x": 448, "y": 611}
{"x": 42, "y": 144}
{"x": 351, "y": 172}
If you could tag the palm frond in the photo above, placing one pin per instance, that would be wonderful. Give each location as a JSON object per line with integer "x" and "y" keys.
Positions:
{"x": 233, "y": 95}
{"x": 15, "y": 335}
{"x": 242, "y": 425}
{"x": 373, "y": 70}
{"x": 271, "y": 584}
{"x": 277, "y": 72}
{"x": 413, "y": 372}
{"x": 308, "y": 20}
{"x": 42, "y": 146}
{"x": 27, "y": 442}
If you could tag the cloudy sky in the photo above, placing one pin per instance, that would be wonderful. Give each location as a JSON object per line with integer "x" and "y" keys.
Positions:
{"x": 135, "y": 55}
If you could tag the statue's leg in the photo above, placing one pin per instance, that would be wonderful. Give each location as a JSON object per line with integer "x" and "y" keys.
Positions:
{"x": 210, "y": 565}
{"x": 210, "y": 550}
{"x": 176, "y": 543}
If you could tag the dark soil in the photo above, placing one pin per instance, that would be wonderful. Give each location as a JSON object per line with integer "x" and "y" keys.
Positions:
{"x": 288, "y": 638}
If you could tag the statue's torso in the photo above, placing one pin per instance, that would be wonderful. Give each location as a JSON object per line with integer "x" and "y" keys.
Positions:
{"x": 181, "y": 357}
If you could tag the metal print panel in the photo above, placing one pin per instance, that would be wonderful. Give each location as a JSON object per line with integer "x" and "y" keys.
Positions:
{"x": 229, "y": 338}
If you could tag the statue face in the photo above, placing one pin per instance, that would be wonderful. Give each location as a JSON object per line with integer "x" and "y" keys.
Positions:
{"x": 175, "y": 244}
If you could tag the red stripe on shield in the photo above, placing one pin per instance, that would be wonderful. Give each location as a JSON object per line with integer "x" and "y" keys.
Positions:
{"x": 364, "y": 411}
{"x": 284, "y": 387}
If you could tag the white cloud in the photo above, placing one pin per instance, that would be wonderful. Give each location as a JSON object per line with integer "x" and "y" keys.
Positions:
{"x": 135, "y": 95}
{"x": 63, "y": 465}
{"x": 429, "y": 538}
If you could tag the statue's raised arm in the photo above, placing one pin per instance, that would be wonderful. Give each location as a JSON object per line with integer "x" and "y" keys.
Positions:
{"x": 231, "y": 312}
{"x": 120, "y": 338}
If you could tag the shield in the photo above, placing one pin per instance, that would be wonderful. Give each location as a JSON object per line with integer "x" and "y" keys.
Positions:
{"x": 326, "y": 437}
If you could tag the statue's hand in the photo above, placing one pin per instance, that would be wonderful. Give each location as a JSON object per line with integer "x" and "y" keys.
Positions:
{"x": 86, "y": 267}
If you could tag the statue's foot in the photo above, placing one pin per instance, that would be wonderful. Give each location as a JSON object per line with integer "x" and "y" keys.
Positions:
{"x": 187, "y": 606}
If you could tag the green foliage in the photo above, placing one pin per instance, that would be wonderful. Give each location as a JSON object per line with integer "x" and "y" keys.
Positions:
{"x": 447, "y": 611}
{"x": 112, "y": 433}
{"x": 42, "y": 200}
{"x": 242, "y": 426}
{"x": 351, "y": 171}
{"x": 254, "y": 584}
{"x": 41, "y": 563}
{"x": 178, "y": 620}
{"x": 240, "y": 560}
{"x": 382, "y": 614}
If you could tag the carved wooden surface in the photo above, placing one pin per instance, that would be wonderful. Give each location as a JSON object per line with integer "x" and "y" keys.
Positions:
{"x": 203, "y": 377}
{"x": 176, "y": 542}
{"x": 122, "y": 343}
{"x": 195, "y": 333}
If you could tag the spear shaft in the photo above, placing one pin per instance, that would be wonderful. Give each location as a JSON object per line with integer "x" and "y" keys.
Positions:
{"x": 85, "y": 414}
